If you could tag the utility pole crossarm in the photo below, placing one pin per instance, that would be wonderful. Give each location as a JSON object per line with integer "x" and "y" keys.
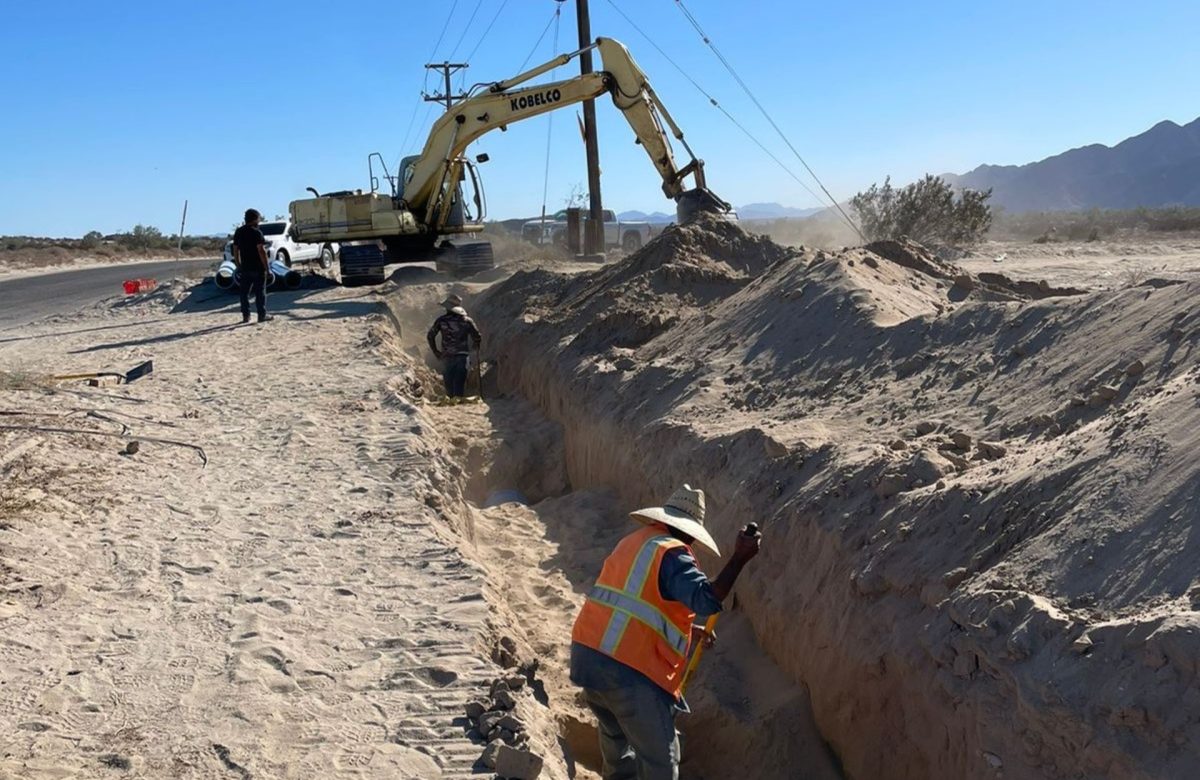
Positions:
{"x": 448, "y": 97}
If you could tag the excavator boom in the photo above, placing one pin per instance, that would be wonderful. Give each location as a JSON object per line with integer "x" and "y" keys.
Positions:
{"x": 427, "y": 195}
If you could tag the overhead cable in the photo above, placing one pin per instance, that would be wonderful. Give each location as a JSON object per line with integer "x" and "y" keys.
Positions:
{"x": 745, "y": 88}
{"x": 716, "y": 104}
{"x": 486, "y": 30}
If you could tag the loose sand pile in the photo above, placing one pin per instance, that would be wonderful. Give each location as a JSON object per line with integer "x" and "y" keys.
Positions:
{"x": 978, "y": 494}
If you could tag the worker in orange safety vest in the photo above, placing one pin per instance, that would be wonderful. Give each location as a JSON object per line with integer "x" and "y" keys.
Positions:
{"x": 629, "y": 646}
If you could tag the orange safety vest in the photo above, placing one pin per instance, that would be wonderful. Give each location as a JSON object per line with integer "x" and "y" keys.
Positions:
{"x": 626, "y": 618}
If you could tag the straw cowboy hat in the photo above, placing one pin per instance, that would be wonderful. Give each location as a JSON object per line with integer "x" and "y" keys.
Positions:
{"x": 451, "y": 302}
{"x": 683, "y": 511}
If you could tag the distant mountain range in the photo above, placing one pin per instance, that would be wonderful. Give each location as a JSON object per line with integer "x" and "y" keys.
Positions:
{"x": 748, "y": 212}
{"x": 1160, "y": 167}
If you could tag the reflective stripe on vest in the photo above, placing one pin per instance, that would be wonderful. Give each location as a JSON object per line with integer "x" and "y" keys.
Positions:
{"x": 625, "y": 607}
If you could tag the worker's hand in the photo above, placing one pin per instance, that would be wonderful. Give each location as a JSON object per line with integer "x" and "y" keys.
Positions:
{"x": 747, "y": 544}
{"x": 702, "y": 635}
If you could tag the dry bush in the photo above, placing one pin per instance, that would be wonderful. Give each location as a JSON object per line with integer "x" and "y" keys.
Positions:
{"x": 1045, "y": 227}
{"x": 928, "y": 211}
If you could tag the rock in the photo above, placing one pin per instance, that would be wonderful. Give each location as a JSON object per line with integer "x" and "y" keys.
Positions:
{"x": 1104, "y": 395}
{"x": 506, "y": 736}
{"x": 504, "y": 699}
{"x": 991, "y": 450}
{"x": 774, "y": 448}
{"x": 870, "y": 262}
{"x": 1082, "y": 644}
{"x": 1136, "y": 368}
{"x": 926, "y": 427}
{"x": 1078, "y": 400}
{"x": 625, "y": 364}
{"x": 953, "y": 578}
{"x": 890, "y": 483}
{"x": 132, "y": 447}
{"x": 489, "y": 755}
{"x": 511, "y": 722}
{"x": 488, "y": 722}
{"x": 898, "y": 444}
{"x": 927, "y": 467}
{"x": 962, "y": 441}
{"x": 474, "y": 709}
{"x": 992, "y": 760}
{"x": 516, "y": 682}
{"x": 514, "y": 764}
{"x": 964, "y": 282}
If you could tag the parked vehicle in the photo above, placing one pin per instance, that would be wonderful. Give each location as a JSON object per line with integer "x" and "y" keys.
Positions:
{"x": 281, "y": 248}
{"x": 629, "y": 236}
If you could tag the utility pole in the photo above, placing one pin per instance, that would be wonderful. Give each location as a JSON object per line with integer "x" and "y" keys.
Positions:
{"x": 593, "y": 234}
{"x": 447, "y": 97}
{"x": 182, "y": 222}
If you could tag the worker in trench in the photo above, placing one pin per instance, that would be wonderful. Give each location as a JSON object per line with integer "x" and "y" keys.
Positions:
{"x": 629, "y": 647}
{"x": 458, "y": 334}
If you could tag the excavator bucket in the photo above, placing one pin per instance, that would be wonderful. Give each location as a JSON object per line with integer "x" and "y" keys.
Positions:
{"x": 690, "y": 204}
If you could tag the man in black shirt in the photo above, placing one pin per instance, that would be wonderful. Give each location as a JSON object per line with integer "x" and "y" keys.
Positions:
{"x": 459, "y": 334}
{"x": 250, "y": 254}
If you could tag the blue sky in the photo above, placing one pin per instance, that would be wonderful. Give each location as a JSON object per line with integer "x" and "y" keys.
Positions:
{"x": 114, "y": 113}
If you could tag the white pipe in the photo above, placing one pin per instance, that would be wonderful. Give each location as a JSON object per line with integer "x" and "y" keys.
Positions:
{"x": 226, "y": 275}
{"x": 289, "y": 277}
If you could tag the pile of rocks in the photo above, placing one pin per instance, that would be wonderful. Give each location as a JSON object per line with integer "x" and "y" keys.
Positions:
{"x": 494, "y": 720}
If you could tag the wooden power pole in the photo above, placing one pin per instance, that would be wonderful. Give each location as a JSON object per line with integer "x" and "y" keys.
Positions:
{"x": 593, "y": 234}
{"x": 448, "y": 97}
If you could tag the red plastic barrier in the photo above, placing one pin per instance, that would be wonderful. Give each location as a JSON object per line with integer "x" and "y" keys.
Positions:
{"x": 133, "y": 286}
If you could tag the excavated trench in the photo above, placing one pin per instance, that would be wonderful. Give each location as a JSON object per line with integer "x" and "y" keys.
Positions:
{"x": 941, "y": 464}
{"x": 546, "y": 492}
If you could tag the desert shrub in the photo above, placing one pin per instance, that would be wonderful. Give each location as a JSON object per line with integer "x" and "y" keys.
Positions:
{"x": 927, "y": 211}
{"x": 1095, "y": 224}
{"x": 91, "y": 240}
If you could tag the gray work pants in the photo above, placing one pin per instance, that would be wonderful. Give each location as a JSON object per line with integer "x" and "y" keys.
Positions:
{"x": 638, "y": 740}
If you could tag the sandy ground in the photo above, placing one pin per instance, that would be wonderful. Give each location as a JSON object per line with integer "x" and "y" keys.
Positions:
{"x": 324, "y": 596}
{"x": 1099, "y": 265}
{"x": 297, "y": 608}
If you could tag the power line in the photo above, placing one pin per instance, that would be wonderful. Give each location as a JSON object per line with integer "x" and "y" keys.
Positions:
{"x": 466, "y": 29}
{"x": 539, "y": 40}
{"x": 486, "y": 30}
{"x": 438, "y": 42}
{"x": 708, "y": 42}
{"x": 715, "y": 104}
{"x": 550, "y": 122}
{"x": 424, "y": 86}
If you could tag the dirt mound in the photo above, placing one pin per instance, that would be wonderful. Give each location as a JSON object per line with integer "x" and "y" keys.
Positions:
{"x": 976, "y": 492}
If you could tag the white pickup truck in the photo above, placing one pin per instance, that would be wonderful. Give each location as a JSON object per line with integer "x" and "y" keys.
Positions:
{"x": 281, "y": 247}
{"x": 629, "y": 236}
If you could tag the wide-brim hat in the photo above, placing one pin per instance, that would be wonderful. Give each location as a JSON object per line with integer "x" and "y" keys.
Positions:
{"x": 451, "y": 301}
{"x": 683, "y": 511}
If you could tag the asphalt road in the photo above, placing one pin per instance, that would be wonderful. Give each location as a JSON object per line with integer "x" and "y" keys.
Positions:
{"x": 28, "y": 298}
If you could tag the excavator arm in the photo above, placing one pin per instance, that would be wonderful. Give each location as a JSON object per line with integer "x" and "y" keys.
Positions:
{"x": 420, "y": 211}
{"x": 506, "y": 102}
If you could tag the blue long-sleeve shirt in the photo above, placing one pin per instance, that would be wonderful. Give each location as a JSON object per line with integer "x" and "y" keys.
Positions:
{"x": 679, "y": 579}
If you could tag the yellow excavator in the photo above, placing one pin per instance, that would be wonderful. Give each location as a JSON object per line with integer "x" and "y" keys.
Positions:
{"x": 426, "y": 216}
